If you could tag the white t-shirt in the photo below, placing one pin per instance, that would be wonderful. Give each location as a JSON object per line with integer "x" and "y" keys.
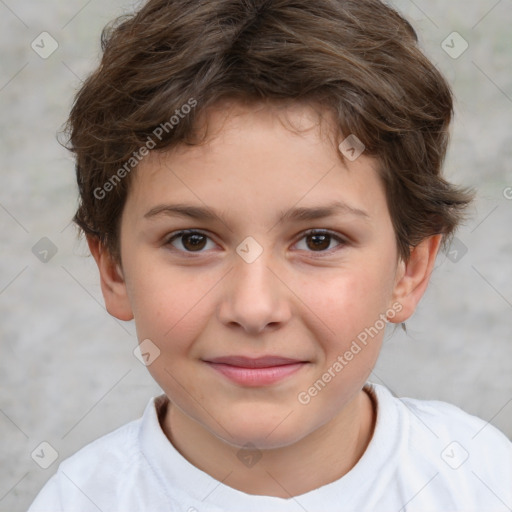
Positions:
{"x": 426, "y": 456}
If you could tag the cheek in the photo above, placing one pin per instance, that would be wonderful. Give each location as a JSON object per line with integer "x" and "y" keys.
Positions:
{"x": 169, "y": 304}
{"x": 349, "y": 299}
{"x": 171, "y": 309}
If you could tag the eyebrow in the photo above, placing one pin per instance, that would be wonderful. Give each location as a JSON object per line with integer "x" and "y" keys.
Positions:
{"x": 293, "y": 214}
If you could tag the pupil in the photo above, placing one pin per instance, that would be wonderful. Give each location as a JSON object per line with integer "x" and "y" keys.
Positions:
{"x": 324, "y": 239}
{"x": 195, "y": 241}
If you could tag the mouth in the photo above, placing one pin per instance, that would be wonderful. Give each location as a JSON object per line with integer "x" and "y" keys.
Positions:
{"x": 255, "y": 372}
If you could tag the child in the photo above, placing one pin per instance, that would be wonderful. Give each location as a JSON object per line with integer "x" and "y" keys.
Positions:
{"x": 260, "y": 186}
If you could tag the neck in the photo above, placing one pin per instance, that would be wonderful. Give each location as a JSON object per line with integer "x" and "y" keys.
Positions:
{"x": 320, "y": 458}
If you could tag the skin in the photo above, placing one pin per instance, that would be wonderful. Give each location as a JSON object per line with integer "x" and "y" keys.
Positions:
{"x": 295, "y": 300}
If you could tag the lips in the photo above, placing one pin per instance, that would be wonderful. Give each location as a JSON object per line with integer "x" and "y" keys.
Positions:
{"x": 255, "y": 372}
{"x": 259, "y": 362}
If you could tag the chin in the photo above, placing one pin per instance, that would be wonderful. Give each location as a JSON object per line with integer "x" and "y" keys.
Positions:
{"x": 263, "y": 434}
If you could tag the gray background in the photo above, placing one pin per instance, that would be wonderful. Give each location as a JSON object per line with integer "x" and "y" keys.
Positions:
{"x": 68, "y": 374}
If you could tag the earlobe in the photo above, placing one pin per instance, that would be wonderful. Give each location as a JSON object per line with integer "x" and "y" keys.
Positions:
{"x": 413, "y": 277}
{"x": 113, "y": 285}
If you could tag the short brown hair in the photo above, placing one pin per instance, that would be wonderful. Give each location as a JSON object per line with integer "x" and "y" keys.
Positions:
{"x": 358, "y": 58}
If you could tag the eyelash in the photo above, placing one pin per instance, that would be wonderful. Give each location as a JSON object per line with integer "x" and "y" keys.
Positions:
{"x": 311, "y": 232}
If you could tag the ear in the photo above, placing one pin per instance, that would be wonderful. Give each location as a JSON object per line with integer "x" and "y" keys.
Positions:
{"x": 413, "y": 277}
{"x": 113, "y": 285}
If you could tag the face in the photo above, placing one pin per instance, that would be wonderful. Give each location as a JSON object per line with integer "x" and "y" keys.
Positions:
{"x": 258, "y": 263}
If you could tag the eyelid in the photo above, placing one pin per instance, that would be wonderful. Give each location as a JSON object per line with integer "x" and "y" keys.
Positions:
{"x": 322, "y": 231}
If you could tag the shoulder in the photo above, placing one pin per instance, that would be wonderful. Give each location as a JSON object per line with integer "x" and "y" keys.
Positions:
{"x": 457, "y": 452}
{"x": 112, "y": 451}
{"x": 438, "y": 419}
{"x": 447, "y": 421}
{"x": 101, "y": 474}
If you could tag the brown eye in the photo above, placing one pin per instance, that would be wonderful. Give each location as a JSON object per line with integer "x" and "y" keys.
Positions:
{"x": 320, "y": 241}
{"x": 190, "y": 241}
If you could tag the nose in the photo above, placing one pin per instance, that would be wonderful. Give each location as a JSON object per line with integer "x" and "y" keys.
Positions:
{"x": 255, "y": 298}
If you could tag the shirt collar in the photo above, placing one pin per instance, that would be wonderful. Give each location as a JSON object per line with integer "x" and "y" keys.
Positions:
{"x": 190, "y": 485}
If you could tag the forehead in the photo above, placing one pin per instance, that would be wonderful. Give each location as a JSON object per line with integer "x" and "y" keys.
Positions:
{"x": 229, "y": 123}
{"x": 268, "y": 155}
